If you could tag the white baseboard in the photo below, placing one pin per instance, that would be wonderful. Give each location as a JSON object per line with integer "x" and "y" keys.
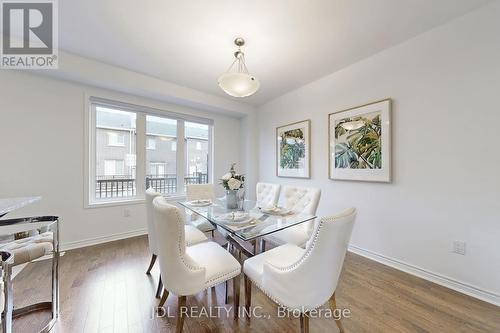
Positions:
{"x": 102, "y": 239}
{"x": 444, "y": 281}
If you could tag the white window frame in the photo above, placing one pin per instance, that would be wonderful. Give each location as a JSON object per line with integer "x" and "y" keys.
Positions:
{"x": 141, "y": 146}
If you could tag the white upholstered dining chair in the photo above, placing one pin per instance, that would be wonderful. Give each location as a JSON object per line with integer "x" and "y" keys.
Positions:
{"x": 303, "y": 279}
{"x": 299, "y": 200}
{"x": 193, "y": 235}
{"x": 188, "y": 270}
{"x": 267, "y": 194}
{"x": 200, "y": 192}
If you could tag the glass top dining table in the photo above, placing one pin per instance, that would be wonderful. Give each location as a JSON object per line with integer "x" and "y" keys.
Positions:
{"x": 255, "y": 222}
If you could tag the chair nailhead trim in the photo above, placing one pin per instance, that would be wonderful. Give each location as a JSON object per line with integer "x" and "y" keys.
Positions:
{"x": 179, "y": 244}
{"x": 214, "y": 281}
{"x": 293, "y": 266}
{"x": 305, "y": 255}
{"x": 222, "y": 278}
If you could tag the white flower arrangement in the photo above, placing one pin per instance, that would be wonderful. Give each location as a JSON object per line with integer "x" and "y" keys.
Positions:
{"x": 232, "y": 180}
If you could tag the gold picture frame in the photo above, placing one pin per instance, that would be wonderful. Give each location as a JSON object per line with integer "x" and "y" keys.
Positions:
{"x": 293, "y": 158}
{"x": 359, "y": 143}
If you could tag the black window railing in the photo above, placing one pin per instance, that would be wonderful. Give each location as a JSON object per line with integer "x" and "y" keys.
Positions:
{"x": 119, "y": 186}
{"x": 162, "y": 183}
{"x": 114, "y": 187}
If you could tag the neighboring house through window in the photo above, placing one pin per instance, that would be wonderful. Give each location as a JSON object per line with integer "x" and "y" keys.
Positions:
{"x": 114, "y": 167}
{"x": 116, "y": 139}
{"x": 158, "y": 169}
{"x": 151, "y": 144}
{"x": 197, "y": 152}
{"x": 132, "y": 148}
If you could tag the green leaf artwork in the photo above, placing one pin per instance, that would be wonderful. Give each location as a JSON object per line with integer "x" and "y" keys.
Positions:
{"x": 292, "y": 148}
{"x": 358, "y": 142}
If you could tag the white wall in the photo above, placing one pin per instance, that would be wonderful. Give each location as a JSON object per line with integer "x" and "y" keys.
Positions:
{"x": 445, "y": 87}
{"x": 249, "y": 153}
{"x": 41, "y": 149}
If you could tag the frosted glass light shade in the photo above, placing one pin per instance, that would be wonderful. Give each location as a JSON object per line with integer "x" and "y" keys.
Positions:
{"x": 239, "y": 84}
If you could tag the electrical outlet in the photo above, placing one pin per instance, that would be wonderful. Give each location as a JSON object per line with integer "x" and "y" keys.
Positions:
{"x": 126, "y": 212}
{"x": 459, "y": 247}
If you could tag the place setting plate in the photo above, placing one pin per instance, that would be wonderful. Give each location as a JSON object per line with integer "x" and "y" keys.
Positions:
{"x": 235, "y": 218}
{"x": 199, "y": 203}
{"x": 276, "y": 210}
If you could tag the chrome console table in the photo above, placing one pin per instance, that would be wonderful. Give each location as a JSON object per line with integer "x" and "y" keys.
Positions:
{"x": 33, "y": 226}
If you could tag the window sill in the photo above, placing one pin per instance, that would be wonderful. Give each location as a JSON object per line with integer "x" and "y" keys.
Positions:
{"x": 133, "y": 201}
{"x": 112, "y": 203}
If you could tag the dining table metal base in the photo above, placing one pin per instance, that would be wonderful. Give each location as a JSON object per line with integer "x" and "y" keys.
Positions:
{"x": 236, "y": 244}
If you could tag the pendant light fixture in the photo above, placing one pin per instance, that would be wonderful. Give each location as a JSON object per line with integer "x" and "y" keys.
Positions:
{"x": 237, "y": 82}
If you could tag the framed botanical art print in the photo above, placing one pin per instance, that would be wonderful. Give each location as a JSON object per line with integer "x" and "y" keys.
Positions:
{"x": 360, "y": 143}
{"x": 293, "y": 150}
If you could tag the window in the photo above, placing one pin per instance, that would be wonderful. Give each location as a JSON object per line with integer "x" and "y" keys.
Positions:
{"x": 133, "y": 148}
{"x": 151, "y": 144}
{"x": 116, "y": 139}
{"x": 197, "y": 153}
{"x": 165, "y": 130}
{"x": 114, "y": 159}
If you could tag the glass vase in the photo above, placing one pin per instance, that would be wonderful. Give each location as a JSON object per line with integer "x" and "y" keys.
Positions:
{"x": 231, "y": 199}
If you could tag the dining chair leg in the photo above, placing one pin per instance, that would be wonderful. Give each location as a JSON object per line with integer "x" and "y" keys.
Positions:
{"x": 333, "y": 306}
{"x": 304, "y": 323}
{"x": 226, "y": 295}
{"x": 160, "y": 287}
{"x": 248, "y": 295}
{"x": 151, "y": 264}
{"x": 236, "y": 296}
{"x": 180, "y": 314}
{"x": 163, "y": 298}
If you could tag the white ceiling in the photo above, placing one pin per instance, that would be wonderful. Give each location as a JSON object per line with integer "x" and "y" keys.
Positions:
{"x": 289, "y": 42}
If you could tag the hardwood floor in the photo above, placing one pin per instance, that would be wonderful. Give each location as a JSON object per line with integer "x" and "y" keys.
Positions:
{"x": 104, "y": 288}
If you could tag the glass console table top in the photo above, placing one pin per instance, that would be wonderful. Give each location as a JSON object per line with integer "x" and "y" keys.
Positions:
{"x": 9, "y": 204}
{"x": 257, "y": 225}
